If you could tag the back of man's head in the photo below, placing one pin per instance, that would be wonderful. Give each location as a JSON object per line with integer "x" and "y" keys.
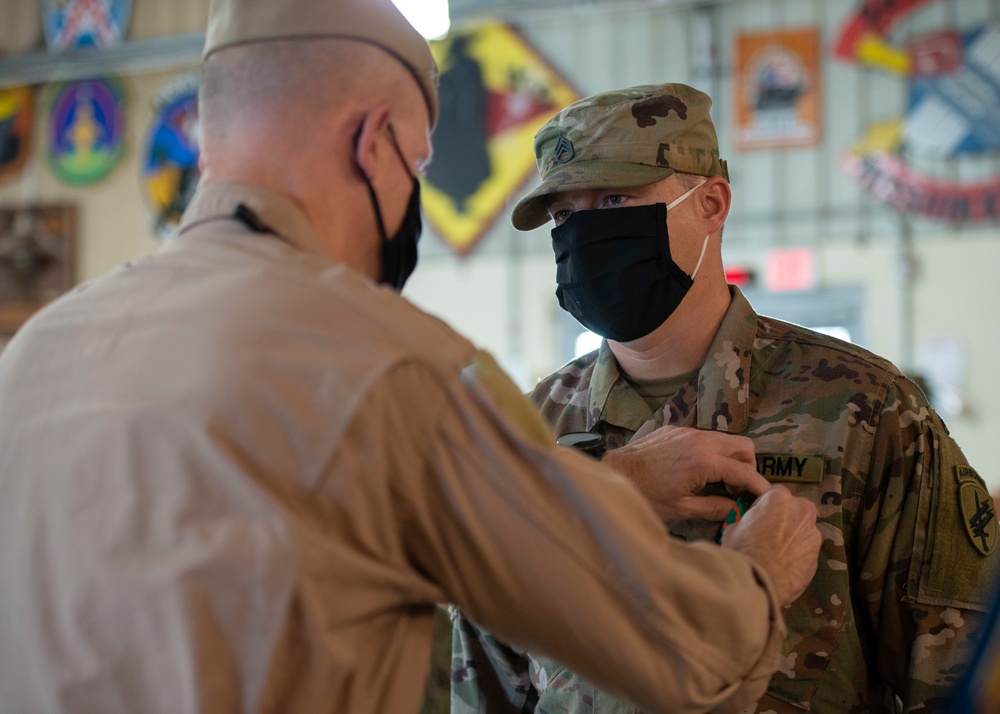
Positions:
{"x": 284, "y": 91}
{"x": 622, "y": 139}
{"x": 234, "y": 23}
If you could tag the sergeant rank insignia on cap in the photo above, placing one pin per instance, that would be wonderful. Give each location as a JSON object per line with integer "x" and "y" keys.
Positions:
{"x": 563, "y": 150}
{"x": 978, "y": 511}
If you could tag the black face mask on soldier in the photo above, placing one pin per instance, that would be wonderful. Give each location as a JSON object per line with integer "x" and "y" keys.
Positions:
{"x": 614, "y": 271}
{"x": 399, "y": 253}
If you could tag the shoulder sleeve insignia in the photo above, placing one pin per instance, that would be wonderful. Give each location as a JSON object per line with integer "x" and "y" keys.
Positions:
{"x": 978, "y": 510}
{"x": 487, "y": 378}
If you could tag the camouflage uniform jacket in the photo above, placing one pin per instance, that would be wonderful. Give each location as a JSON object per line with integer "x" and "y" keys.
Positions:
{"x": 909, "y": 529}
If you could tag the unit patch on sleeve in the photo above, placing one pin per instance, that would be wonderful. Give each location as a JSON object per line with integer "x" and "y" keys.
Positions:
{"x": 793, "y": 468}
{"x": 491, "y": 382}
{"x": 978, "y": 511}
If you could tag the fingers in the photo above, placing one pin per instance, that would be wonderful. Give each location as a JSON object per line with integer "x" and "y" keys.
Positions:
{"x": 709, "y": 508}
{"x": 780, "y": 533}
{"x": 736, "y": 465}
{"x": 803, "y": 508}
{"x": 691, "y": 458}
{"x": 738, "y": 448}
{"x": 739, "y": 476}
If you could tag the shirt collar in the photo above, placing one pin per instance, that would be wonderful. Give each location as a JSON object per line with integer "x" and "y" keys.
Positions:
{"x": 277, "y": 212}
{"x": 723, "y": 390}
{"x": 627, "y": 409}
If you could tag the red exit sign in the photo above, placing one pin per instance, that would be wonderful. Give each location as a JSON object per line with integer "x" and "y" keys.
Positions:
{"x": 789, "y": 269}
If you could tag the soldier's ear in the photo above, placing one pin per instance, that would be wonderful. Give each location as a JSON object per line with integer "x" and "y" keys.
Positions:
{"x": 715, "y": 201}
{"x": 366, "y": 139}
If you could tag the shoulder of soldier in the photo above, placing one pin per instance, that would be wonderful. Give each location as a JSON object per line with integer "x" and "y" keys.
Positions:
{"x": 773, "y": 333}
{"x": 830, "y": 359}
{"x": 403, "y": 328}
{"x": 572, "y": 377}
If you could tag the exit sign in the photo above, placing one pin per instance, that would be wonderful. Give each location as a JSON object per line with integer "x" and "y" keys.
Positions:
{"x": 789, "y": 269}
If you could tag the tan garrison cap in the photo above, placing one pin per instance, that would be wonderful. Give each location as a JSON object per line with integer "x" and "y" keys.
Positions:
{"x": 620, "y": 139}
{"x": 234, "y": 22}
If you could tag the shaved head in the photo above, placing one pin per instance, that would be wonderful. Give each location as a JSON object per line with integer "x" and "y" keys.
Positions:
{"x": 317, "y": 120}
{"x": 295, "y": 83}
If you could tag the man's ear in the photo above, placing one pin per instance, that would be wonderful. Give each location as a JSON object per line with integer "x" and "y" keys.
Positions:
{"x": 715, "y": 202}
{"x": 366, "y": 145}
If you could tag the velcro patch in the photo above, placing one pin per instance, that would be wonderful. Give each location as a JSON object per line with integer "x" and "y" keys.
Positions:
{"x": 508, "y": 401}
{"x": 792, "y": 468}
{"x": 978, "y": 510}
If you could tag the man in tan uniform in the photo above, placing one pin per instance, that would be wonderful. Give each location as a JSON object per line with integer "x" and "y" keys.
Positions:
{"x": 239, "y": 475}
{"x": 909, "y": 530}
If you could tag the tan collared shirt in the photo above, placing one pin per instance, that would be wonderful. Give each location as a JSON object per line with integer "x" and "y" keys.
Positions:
{"x": 236, "y": 476}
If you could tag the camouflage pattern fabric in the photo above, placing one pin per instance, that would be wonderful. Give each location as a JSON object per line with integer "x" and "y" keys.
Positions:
{"x": 437, "y": 689}
{"x": 979, "y": 690}
{"x": 907, "y": 563}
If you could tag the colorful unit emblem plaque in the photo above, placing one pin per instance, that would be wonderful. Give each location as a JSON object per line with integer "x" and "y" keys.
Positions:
{"x": 74, "y": 24}
{"x": 86, "y": 130}
{"x": 16, "y": 111}
{"x": 170, "y": 167}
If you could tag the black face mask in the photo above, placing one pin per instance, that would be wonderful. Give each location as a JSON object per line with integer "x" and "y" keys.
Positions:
{"x": 399, "y": 253}
{"x": 614, "y": 270}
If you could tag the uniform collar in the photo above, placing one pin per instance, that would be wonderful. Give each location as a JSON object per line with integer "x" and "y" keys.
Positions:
{"x": 723, "y": 380}
{"x": 626, "y": 409}
{"x": 277, "y": 212}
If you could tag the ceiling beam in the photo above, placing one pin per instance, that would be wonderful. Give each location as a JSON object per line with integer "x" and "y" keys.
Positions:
{"x": 133, "y": 57}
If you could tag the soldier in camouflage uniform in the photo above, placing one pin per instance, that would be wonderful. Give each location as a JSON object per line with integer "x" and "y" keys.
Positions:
{"x": 909, "y": 529}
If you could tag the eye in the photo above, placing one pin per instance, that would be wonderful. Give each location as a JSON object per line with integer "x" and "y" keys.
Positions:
{"x": 560, "y": 215}
{"x": 614, "y": 199}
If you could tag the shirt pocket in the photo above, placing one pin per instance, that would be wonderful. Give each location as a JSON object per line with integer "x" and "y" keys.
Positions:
{"x": 817, "y": 620}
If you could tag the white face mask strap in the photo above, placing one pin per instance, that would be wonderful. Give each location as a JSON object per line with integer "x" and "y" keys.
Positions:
{"x": 685, "y": 194}
{"x": 704, "y": 245}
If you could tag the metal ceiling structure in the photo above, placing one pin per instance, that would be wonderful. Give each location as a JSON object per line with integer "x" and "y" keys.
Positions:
{"x": 525, "y": 9}
{"x": 136, "y": 56}
{"x": 180, "y": 51}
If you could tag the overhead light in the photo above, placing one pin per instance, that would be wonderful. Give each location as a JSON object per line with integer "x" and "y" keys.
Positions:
{"x": 429, "y": 17}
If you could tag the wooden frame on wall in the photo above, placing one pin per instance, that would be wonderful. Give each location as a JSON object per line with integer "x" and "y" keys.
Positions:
{"x": 37, "y": 260}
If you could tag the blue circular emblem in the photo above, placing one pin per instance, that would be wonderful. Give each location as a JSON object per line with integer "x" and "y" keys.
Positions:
{"x": 72, "y": 24}
{"x": 86, "y": 130}
{"x": 170, "y": 169}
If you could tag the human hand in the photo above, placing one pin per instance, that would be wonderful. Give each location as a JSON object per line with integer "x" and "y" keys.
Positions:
{"x": 672, "y": 465}
{"x": 779, "y": 533}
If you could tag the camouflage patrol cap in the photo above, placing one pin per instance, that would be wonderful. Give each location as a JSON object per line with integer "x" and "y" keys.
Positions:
{"x": 621, "y": 139}
{"x": 235, "y": 22}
